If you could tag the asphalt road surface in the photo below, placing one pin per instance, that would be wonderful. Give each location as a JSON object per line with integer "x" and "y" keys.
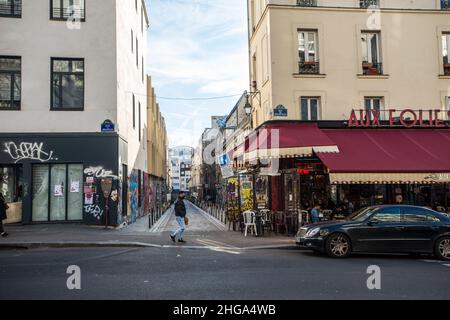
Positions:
{"x": 190, "y": 274}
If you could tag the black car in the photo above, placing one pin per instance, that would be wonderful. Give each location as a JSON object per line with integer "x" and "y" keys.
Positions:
{"x": 381, "y": 229}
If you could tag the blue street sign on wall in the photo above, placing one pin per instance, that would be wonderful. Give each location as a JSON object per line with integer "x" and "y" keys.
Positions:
{"x": 108, "y": 126}
{"x": 280, "y": 111}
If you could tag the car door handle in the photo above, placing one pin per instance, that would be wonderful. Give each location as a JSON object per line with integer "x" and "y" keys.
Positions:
{"x": 400, "y": 228}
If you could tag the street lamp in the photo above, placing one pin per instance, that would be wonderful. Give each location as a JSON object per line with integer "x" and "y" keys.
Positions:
{"x": 248, "y": 107}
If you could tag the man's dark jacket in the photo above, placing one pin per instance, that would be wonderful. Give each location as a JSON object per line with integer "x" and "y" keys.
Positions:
{"x": 180, "y": 208}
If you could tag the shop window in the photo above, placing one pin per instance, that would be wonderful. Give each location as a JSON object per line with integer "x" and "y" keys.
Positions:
{"x": 10, "y": 83}
{"x": 11, "y": 183}
{"x": 57, "y": 192}
{"x": 11, "y": 8}
{"x": 310, "y": 109}
{"x": 67, "y": 84}
{"x": 67, "y": 9}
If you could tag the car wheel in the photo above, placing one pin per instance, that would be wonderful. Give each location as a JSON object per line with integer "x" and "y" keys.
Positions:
{"x": 338, "y": 245}
{"x": 442, "y": 248}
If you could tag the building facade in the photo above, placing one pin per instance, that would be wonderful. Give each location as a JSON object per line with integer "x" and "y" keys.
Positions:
{"x": 349, "y": 108}
{"x": 322, "y": 58}
{"x": 180, "y": 159}
{"x": 157, "y": 143}
{"x": 73, "y": 110}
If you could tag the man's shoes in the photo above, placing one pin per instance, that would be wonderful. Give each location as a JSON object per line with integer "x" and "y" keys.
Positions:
{"x": 181, "y": 241}
{"x": 173, "y": 238}
{"x": 4, "y": 234}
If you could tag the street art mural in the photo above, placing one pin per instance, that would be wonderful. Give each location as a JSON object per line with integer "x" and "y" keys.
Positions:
{"x": 232, "y": 198}
{"x": 246, "y": 188}
{"x": 28, "y": 151}
{"x": 94, "y": 202}
{"x": 133, "y": 194}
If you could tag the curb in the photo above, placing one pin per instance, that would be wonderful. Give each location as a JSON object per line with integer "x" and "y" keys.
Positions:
{"x": 61, "y": 245}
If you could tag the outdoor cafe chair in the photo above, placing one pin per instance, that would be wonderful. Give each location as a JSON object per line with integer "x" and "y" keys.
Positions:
{"x": 249, "y": 222}
{"x": 267, "y": 219}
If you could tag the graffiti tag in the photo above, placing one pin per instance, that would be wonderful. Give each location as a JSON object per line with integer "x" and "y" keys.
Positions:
{"x": 28, "y": 151}
{"x": 99, "y": 172}
{"x": 94, "y": 210}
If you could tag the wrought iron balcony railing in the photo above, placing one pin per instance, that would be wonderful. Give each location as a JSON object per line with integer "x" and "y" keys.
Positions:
{"x": 446, "y": 68}
{"x": 309, "y": 67}
{"x": 369, "y": 3}
{"x": 445, "y": 4}
{"x": 307, "y": 3}
{"x": 11, "y": 9}
{"x": 372, "y": 69}
{"x": 67, "y": 13}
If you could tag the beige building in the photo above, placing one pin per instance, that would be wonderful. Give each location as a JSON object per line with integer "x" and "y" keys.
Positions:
{"x": 322, "y": 58}
{"x": 157, "y": 140}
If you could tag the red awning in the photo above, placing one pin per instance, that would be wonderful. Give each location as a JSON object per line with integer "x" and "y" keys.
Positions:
{"x": 281, "y": 140}
{"x": 384, "y": 155}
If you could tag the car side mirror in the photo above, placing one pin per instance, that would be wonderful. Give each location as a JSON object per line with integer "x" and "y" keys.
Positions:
{"x": 371, "y": 223}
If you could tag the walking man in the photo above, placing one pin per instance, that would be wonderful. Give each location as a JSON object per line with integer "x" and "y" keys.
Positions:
{"x": 180, "y": 215}
{"x": 3, "y": 208}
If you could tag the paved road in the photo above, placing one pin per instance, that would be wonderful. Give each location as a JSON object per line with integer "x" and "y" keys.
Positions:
{"x": 198, "y": 221}
{"x": 181, "y": 273}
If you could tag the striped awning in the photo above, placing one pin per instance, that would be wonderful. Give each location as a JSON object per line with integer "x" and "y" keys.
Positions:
{"x": 389, "y": 178}
{"x": 287, "y": 140}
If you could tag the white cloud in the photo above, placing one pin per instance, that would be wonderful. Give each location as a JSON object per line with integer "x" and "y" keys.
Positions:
{"x": 197, "y": 48}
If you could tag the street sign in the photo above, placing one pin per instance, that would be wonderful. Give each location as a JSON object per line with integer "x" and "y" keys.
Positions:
{"x": 280, "y": 111}
{"x": 108, "y": 126}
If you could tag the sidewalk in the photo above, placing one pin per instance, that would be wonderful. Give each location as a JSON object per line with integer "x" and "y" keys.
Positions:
{"x": 202, "y": 232}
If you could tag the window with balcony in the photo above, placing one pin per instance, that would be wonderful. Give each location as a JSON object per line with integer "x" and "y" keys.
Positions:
{"x": 67, "y": 84}
{"x": 371, "y": 54}
{"x": 68, "y": 9}
{"x": 369, "y": 4}
{"x": 10, "y": 83}
{"x": 310, "y": 108}
{"x": 445, "y": 4}
{"x": 445, "y": 53}
{"x": 307, "y": 3}
{"x": 308, "y": 52}
{"x": 11, "y": 8}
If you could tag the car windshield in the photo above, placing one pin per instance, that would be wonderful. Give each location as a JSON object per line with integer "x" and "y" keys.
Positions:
{"x": 362, "y": 214}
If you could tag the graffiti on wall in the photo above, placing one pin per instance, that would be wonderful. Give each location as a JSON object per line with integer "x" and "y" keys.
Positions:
{"x": 246, "y": 188}
{"x": 94, "y": 210}
{"x": 99, "y": 173}
{"x": 133, "y": 194}
{"x": 28, "y": 151}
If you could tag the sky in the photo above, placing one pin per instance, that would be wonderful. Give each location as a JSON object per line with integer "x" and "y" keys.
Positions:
{"x": 196, "y": 49}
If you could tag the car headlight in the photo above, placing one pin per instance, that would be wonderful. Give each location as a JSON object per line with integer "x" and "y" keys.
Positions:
{"x": 312, "y": 232}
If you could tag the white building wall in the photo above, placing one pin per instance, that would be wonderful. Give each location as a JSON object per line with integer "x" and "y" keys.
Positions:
{"x": 130, "y": 81}
{"x": 36, "y": 39}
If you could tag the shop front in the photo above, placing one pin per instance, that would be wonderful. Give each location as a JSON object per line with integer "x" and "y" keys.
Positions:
{"x": 343, "y": 168}
{"x": 59, "y": 177}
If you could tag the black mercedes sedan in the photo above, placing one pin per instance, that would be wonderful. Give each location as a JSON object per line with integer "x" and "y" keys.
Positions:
{"x": 381, "y": 229}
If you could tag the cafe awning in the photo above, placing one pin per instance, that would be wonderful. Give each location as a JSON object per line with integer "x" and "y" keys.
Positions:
{"x": 388, "y": 156}
{"x": 287, "y": 140}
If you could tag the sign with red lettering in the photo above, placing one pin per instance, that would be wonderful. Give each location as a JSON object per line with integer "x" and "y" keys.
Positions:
{"x": 406, "y": 118}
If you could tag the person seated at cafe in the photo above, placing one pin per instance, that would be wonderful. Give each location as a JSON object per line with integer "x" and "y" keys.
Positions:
{"x": 315, "y": 214}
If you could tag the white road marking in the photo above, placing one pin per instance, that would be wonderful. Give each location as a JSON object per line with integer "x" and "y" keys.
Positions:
{"x": 214, "y": 247}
